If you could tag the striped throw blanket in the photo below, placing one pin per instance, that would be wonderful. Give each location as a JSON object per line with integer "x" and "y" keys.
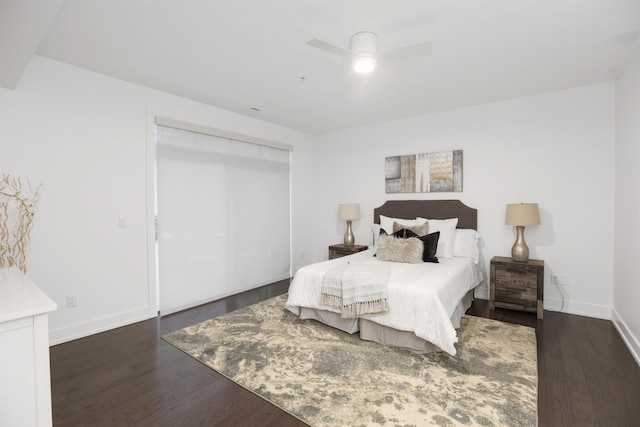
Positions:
{"x": 356, "y": 288}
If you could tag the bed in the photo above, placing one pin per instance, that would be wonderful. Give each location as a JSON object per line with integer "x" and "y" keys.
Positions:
{"x": 425, "y": 300}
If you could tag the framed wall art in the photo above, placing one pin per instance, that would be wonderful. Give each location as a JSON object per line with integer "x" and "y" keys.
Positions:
{"x": 424, "y": 173}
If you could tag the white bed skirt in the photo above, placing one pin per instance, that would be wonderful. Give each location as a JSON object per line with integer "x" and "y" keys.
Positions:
{"x": 371, "y": 331}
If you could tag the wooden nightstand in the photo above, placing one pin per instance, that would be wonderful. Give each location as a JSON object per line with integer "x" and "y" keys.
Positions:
{"x": 337, "y": 251}
{"x": 517, "y": 285}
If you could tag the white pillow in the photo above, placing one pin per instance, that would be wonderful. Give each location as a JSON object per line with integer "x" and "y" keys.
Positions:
{"x": 466, "y": 244}
{"x": 386, "y": 222}
{"x": 447, "y": 228}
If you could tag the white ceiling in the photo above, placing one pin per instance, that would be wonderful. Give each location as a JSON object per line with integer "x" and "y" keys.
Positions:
{"x": 237, "y": 54}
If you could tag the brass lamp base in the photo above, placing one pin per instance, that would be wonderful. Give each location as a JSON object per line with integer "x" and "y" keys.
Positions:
{"x": 520, "y": 250}
{"x": 349, "y": 238}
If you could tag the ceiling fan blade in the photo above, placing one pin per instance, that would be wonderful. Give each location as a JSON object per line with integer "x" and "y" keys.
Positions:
{"x": 330, "y": 48}
{"x": 420, "y": 49}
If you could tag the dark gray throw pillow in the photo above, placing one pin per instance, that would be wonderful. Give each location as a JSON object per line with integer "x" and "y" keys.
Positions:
{"x": 430, "y": 242}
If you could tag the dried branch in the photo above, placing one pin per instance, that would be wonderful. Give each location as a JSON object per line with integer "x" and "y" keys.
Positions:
{"x": 17, "y": 210}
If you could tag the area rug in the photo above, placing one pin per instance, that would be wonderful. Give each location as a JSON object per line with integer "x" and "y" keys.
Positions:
{"x": 326, "y": 377}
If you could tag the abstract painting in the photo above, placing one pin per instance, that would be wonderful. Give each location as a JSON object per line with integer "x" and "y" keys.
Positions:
{"x": 424, "y": 173}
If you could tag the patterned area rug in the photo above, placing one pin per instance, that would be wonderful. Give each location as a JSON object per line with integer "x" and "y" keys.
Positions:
{"x": 326, "y": 377}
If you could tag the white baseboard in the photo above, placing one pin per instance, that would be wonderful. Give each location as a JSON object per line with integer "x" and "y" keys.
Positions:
{"x": 554, "y": 304}
{"x": 95, "y": 326}
{"x": 180, "y": 307}
{"x": 578, "y": 308}
{"x": 102, "y": 324}
{"x": 632, "y": 342}
{"x": 482, "y": 291}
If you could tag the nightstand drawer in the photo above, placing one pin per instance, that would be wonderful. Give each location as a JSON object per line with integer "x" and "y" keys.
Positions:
{"x": 515, "y": 279}
{"x": 514, "y": 296}
{"x": 340, "y": 253}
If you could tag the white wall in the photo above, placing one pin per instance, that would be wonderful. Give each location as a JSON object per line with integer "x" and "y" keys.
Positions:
{"x": 555, "y": 149}
{"x": 85, "y": 137}
{"x": 627, "y": 204}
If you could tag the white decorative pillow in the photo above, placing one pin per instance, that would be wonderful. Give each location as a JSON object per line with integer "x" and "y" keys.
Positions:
{"x": 394, "y": 249}
{"x": 466, "y": 244}
{"x": 447, "y": 228}
{"x": 386, "y": 222}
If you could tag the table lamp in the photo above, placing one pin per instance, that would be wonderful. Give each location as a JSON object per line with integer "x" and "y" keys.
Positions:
{"x": 349, "y": 212}
{"x": 522, "y": 215}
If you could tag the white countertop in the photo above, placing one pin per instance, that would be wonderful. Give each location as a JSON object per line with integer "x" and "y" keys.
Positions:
{"x": 20, "y": 297}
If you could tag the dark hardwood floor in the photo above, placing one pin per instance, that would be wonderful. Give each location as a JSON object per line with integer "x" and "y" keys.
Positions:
{"x": 130, "y": 377}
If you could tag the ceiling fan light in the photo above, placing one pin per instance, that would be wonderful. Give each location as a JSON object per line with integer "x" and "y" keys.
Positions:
{"x": 364, "y": 63}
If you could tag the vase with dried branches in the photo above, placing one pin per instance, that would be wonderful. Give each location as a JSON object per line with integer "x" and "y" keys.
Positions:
{"x": 17, "y": 209}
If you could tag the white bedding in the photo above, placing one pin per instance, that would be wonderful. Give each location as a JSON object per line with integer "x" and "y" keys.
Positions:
{"x": 421, "y": 297}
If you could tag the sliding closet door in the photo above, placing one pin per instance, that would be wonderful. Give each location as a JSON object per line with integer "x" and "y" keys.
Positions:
{"x": 223, "y": 216}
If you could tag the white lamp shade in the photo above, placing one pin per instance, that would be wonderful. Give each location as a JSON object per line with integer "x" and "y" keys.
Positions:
{"x": 523, "y": 214}
{"x": 349, "y": 211}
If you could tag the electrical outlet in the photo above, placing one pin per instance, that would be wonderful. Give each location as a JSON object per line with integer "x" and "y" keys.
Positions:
{"x": 122, "y": 222}
{"x": 561, "y": 280}
{"x": 71, "y": 302}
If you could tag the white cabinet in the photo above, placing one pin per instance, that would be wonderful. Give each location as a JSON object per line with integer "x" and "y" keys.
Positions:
{"x": 25, "y": 383}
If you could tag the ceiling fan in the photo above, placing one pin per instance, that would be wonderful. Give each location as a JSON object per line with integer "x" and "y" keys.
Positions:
{"x": 363, "y": 50}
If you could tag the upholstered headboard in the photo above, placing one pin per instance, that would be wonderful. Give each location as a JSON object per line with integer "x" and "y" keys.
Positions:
{"x": 432, "y": 209}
